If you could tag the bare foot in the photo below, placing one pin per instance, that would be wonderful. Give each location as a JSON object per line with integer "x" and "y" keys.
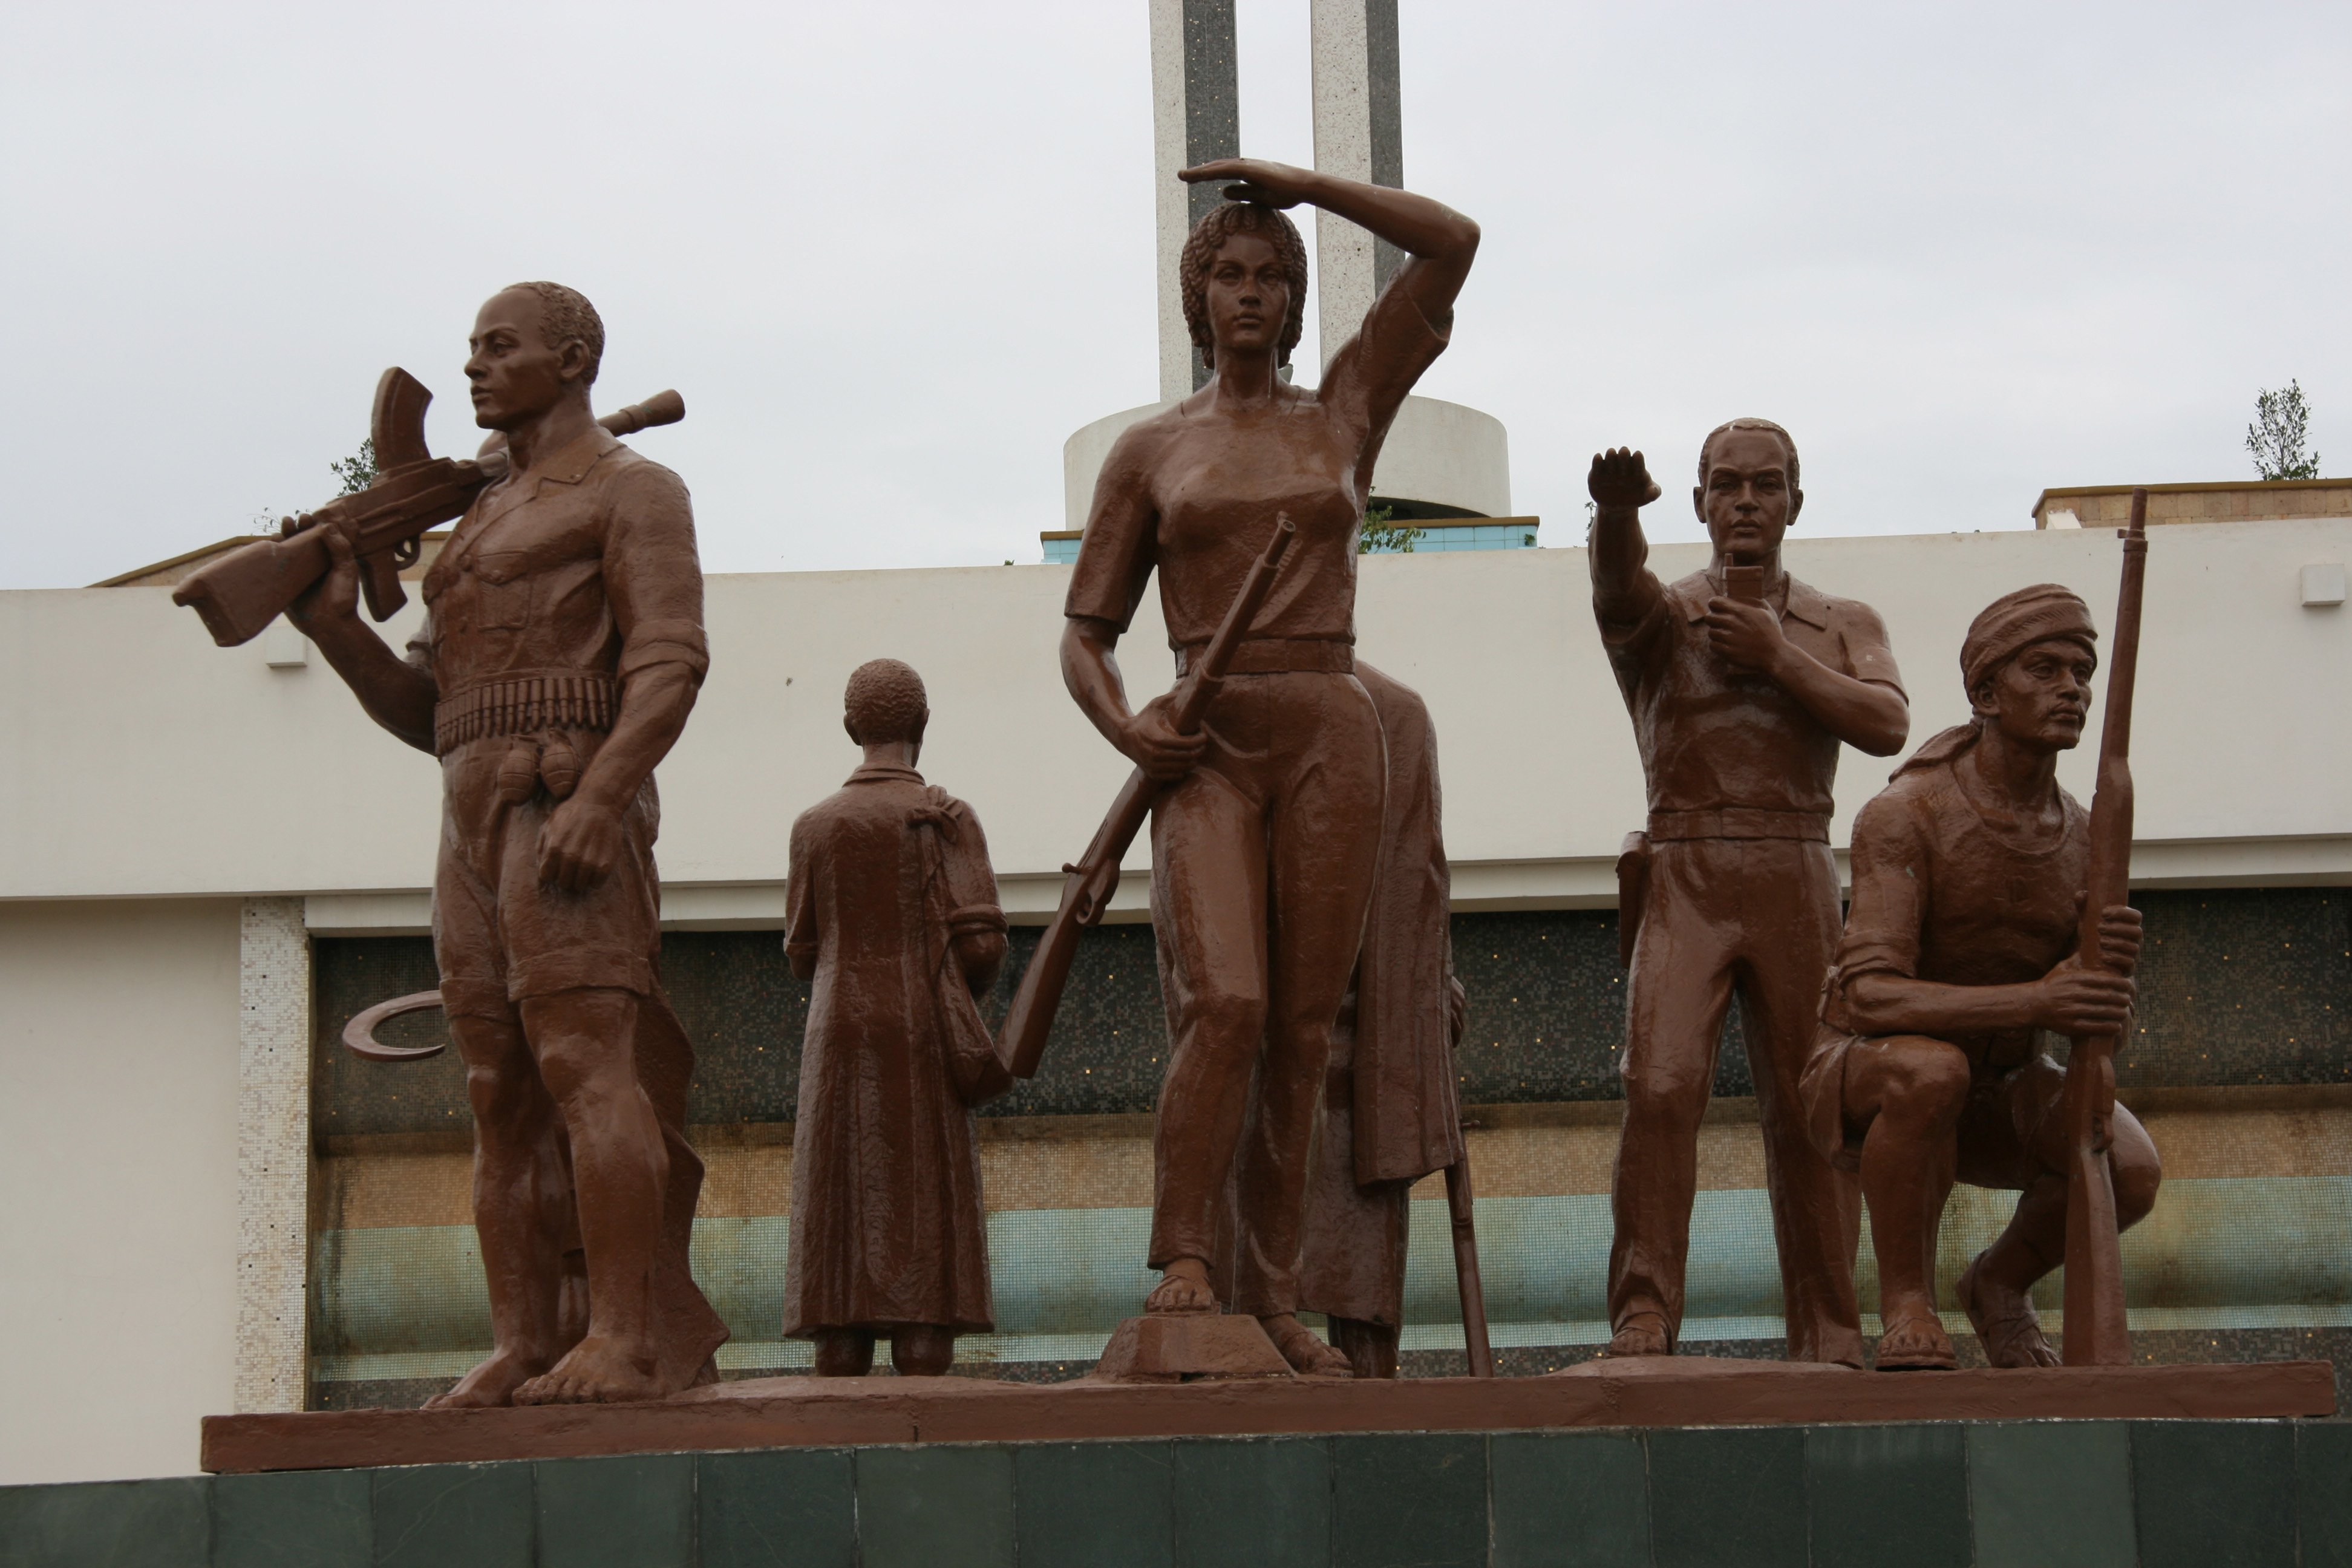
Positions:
{"x": 1916, "y": 1342}
{"x": 1308, "y": 1356}
{"x": 492, "y": 1383}
{"x": 2004, "y": 1319}
{"x": 1643, "y": 1334}
{"x": 599, "y": 1370}
{"x": 1183, "y": 1287}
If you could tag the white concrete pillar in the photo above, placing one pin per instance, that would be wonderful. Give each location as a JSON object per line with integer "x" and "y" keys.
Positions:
{"x": 1195, "y": 116}
{"x": 1359, "y": 135}
{"x": 273, "y": 1156}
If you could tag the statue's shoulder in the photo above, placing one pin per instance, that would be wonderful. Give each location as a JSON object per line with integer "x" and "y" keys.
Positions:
{"x": 1833, "y": 610}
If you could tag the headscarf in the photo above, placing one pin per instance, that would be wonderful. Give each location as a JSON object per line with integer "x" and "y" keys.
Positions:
{"x": 2005, "y": 628}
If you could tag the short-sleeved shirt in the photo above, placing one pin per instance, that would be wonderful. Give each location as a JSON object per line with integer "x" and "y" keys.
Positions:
{"x": 585, "y": 565}
{"x": 1943, "y": 893}
{"x": 1711, "y": 739}
{"x": 1217, "y": 485}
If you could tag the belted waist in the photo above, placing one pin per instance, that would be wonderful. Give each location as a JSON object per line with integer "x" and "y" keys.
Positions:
{"x": 1278, "y": 655}
{"x": 523, "y": 704}
{"x": 1740, "y": 822}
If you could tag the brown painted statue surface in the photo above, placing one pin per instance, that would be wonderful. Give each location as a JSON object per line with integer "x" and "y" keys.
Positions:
{"x": 1742, "y": 682}
{"x": 894, "y": 915}
{"x": 560, "y": 654}
{"x": 1265, "y": 848}
{"x": 1391, "y": 1114}
{"x": 1962, "y": 947}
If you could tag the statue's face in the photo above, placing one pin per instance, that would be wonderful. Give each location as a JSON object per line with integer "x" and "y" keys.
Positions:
{"x": 516, "y": 375}
{"x": 1747, "y": 501}
{"x": 2041, "y": 698}
{"x": 1248, "y": 295}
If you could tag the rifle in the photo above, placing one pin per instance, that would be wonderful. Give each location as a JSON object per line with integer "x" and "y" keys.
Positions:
{"x": 2096, "y": 1330}
{"x": 1095, "y": 877}
{"x": 1458, "y": 1209}
{"x": 245, "y": 590}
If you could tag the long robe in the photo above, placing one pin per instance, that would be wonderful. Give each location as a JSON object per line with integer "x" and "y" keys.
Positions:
{"x": 1392, "y": 1114}
{"x": 888, "y": 1227}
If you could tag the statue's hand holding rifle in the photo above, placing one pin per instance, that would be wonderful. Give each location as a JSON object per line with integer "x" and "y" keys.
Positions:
{"x": 1165, "y": 742}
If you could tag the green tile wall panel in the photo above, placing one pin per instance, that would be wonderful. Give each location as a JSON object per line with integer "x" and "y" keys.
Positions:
{"x": 1730, "y": 1498}
{"x": 1568, "y": 1500}
{"x": 454, "y": 1516}
{"x": 1095, "y": 1505}
{"x": 1882, "y": 1495}
{"x": 106, "y": 1524}
{"x": 2051, "y": 1494}
{"x": 787, "y": 1507}
{"x": 632, "y": 1512}
{"x": 1266, "y": 1501}
{"x": 935, "y": 1508}
{"x": 1409, "y": 1500}
{"x": 303, "y": 1519}
{"x": 2214, "y": 1494}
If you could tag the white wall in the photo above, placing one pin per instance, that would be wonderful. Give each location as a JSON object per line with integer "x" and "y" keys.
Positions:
{"x": 144, "y": 761}
{"x": 118, "y": 1183}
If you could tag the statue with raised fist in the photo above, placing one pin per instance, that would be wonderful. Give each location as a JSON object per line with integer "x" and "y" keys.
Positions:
{"x": 1742, "y": 683}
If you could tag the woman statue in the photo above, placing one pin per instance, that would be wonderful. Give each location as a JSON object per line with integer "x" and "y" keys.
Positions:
{"x": 1263, "y": 844}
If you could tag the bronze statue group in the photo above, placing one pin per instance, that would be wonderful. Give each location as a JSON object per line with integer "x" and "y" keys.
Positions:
{"x": 1298, "y": 893}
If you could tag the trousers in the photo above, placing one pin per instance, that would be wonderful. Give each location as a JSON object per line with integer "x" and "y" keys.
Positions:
{"x": 1760, "y": 916}
{"x": 1262, "y": 862}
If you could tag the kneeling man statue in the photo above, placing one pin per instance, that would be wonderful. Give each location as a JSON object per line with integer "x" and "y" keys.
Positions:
{"x": 1961, "y": 946}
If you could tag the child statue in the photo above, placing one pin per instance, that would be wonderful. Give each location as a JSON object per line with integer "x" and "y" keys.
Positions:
{"x": 894, "y": 915}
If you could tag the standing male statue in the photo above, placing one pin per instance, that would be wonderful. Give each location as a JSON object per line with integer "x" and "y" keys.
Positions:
{"x": 1963, "y": 946}
{"x": 560, "y": 654}
{"x": 1742, "y": 682}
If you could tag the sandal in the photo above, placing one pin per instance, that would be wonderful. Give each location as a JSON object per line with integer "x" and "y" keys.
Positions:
{"x": 2012, "y": 1340}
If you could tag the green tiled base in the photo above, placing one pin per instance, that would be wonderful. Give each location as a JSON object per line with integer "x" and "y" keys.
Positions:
{"x": 2089, "y": 1494}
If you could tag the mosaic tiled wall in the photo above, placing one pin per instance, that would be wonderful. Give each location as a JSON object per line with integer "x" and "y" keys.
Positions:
{"x": 2244, "y": 1075}
{"x": 2239, "y": 987}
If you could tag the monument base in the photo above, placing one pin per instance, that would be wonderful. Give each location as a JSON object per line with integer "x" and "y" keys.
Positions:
{"x": 1682, "y": 1391}
{"x": 1190, "y": 1347}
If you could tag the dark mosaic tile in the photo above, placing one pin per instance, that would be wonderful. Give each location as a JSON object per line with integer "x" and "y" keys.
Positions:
{"x": 2053, "y": 1494}
{"x": 299, "y": 1519}
{"x": 1569, "y": 1499}
{"x": 1109, "y": 1044}
{"x": 106, "y": 1524}
{"x": 349, "y": 975}
{"x": 2323, "y": 1494}
{"x": 1888, "y": 1494}
{"x": 779, "y": 1508}
{"x": 1095, "y": 1505}
{"x": 1266, "y": 1502}
{"x": 2214, "y": 1494}
{"x": 1727, "y": 1497}
{"x": 943, "y": 1507}
{"x": 1409, "y": 1500}
{"x": 2243, "y": 985}
{"x": 632, "y": 1512}
{"x": 378, "y": 1394}
{"x": 454, "y": 1516}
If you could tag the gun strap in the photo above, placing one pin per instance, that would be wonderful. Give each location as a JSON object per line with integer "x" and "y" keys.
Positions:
{"x": 522, "y": 704}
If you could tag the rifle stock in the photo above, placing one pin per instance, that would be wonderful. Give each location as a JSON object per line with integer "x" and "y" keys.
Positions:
{"x": 1095, "y": 877}
{"x": 246, "y": 589}
{"x": 2095, "y": 1332}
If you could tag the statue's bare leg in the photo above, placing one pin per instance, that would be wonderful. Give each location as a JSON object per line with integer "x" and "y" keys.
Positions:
{"x": 584, "y": 1041}
{"x": 521, "y": 1189}
{"x": 1910, "y": 1090}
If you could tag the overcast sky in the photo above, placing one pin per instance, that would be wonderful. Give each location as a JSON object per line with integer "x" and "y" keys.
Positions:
{"x": 893, "y": 254}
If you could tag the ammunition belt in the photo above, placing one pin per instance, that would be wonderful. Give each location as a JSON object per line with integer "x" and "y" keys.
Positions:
{"x": 524, "y": 704}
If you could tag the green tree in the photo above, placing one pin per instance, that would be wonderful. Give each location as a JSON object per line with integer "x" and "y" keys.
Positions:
{"x": 2282, "y": 425}
{"x": 358, "y": 470}
{"x": 1383, "y": 533}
